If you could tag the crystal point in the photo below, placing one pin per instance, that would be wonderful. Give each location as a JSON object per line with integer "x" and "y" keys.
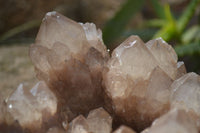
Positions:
{"x": 30, "y": 107}
{"x": 99, "y": 121}
{"x": 137, "y": 80}
{"x": 70, "y": 58}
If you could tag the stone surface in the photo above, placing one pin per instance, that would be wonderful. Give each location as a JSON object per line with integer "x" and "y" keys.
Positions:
{"x": 31, "y": 107}
{"x": 186, "y": 93}
{"x": 70, "y": 58}
{"x": 124, "y": 129}
{"x": 138, "y": 78}
{"x": 175, "y": 121}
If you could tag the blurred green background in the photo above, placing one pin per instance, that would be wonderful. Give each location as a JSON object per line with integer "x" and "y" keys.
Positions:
{"x": 176, "y": 21}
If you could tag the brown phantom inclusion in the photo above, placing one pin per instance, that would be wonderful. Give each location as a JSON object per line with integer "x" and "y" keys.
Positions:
{"x": 69, "y": 57}
{"x": 138, "y": 78}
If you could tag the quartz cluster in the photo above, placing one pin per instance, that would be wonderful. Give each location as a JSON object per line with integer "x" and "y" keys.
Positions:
{"x": 82, "y": 89}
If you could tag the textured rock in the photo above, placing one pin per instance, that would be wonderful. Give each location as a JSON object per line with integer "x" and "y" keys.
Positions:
{"x": 138, "y": 79}
{"x": 175, "y": 121}
{"x": 186, "y": 93}
{"x": 70, "y": 57}
{"x": 31, "y": 107}
{"x": 124, "y": 129}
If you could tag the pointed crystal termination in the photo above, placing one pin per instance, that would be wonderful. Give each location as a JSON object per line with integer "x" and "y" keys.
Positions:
{"x": 175, "y": 121}
{"x": 137, "y": 80}
{"x": 165, "y": 55}
{"x": 186, "y": 93}
{"x": 79, "y": 125}
{"x": 31, "y": 107}
{"x": 70, "y": 58}
{"x": 98, "y": 121}
{"x": 124, "y": 129}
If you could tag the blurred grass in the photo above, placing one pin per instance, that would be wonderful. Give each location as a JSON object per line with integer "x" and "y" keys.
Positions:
{"x": 114, "y": 28}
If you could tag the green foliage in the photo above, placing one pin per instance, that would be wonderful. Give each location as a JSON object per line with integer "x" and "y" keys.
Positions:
{"x": 188, "y": 49}
{"x": 165, "y": 25}
{"x": 116, "y": 25}
{"x": 21, "y": 28}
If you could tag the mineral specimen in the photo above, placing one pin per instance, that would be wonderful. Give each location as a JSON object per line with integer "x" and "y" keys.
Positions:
{"x": 31, "y": 107}
{"x": 78, "y": 80}
{"x": 175, "y": 121}
{"x": 138, "y": 79}
{"x": 70, "y": 58}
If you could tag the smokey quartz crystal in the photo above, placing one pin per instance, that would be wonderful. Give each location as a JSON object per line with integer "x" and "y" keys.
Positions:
{"x": 81, "y": 89}
{"x": 138, "y": 78}
{"x": 70, "y": 57}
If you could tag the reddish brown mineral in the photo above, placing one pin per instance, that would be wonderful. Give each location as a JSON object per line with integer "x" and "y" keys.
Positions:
{"x": 70, "y": 57}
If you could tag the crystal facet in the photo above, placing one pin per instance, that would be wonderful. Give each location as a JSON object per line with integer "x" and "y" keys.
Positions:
{"x": 186, "y": 93}
{"x": 175, "y": 121}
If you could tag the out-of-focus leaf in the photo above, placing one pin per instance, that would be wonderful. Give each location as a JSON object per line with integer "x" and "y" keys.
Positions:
{"x": 192, "y": 34}
{"x": 19, "y": 29}
{"x": 168, "y": 31}
{"x": 189, "y": 49}
{"x": 158, "y": 8}
{"x": 114, "y": 28}
{"x": 187, "y": 15}
{"x": 155, "y": 23}
{"x": 144, "y": 34}
{"x": 17, "y": 41}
